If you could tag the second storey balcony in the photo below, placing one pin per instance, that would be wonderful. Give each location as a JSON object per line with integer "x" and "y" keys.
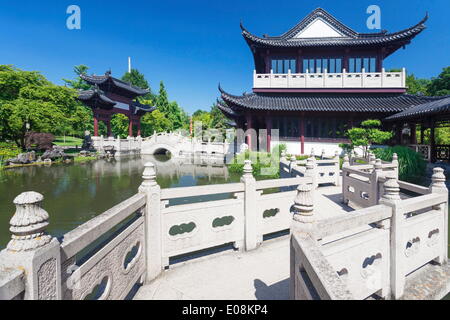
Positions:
{"x": 387, "y": 81}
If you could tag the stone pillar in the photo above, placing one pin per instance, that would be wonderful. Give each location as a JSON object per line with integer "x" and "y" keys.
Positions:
{"x": 292, "y": 164}
{"x": 32, "y": 250}
{"x": 302, "y": 225}
{"x": 395, "y": 162}
{"x": 337, "y": 168}
{"x": 303, "y": 209}
{"x": 375, "y": 194}
{"x": 153, "y": 227}
{"x": 311, "y": 171}
{"x": 391, "y": 198}
{"x": 251, "y": 237}
{"x": 346, "y": 162}
{"x": 438, "y": 186}
{"x": 372, "y": 159}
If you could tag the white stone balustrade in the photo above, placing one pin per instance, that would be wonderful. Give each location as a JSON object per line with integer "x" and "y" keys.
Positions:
{"x": 329, "y": 80}
{"x": 350, "y": 256}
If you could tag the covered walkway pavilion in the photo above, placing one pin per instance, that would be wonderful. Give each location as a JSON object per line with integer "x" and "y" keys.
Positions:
{"x": 431, "y": 115}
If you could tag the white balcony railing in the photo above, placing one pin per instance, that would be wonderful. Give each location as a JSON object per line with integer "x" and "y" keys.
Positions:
{"x": 362, "y": 79}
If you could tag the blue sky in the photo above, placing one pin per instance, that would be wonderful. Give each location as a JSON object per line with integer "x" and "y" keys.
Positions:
{"x": 194, "y": 45}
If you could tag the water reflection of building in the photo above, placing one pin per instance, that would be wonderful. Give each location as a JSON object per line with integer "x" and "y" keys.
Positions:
{"x": 166, "y": 167}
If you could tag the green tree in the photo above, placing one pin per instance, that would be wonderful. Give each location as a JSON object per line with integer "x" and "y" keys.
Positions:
{"x": 119, "y": 125}
{"x": 28, "y": 102}
{"x": 368, "y": 134}
{"x": 138, "y": 79}
{"x": 440, "y": 86}
{"x": 219, "y": 121}
{"x": 155, "y": 121}
{"x": 78, "y": 83}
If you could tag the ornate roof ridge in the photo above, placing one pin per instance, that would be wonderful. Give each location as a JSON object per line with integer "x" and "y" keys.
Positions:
{"x": 352, "y": 37}
{"x": 94, "y": 79}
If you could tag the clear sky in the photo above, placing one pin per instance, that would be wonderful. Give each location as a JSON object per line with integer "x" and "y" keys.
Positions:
{"x": 193, "y": 45}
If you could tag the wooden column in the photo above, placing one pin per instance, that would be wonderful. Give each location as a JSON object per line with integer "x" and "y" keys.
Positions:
{"x": 398, "y": 133}
{"x": 139, "y": 127}
{"x": 249, "y": 136}
{"x": 433, "y": 143}
{"x": 422, "y": 132}
{"x": 302, "y": 133}
{"x": 108, "y": 126}
{"x": 130, "y": 127}
{"x": 345, "y": 63}
{"x": 269, "y": 131}
{"x": 267, "y": 61}
{"x": 95, "y": 125}
{"x": 412, "y": 126}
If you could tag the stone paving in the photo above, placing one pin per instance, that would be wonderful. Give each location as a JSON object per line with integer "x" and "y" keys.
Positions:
{"x": 259, "y": 274}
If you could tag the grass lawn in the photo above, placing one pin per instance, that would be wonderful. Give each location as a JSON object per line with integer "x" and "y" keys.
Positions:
{"x": 70, "y": 141}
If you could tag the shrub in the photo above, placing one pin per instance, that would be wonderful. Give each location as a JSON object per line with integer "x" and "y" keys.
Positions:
{"x": 8, "y": 151}
{"x": 39, "y": 141}
{"x": 264, "y": 161}
{"x": 412, "y": 166}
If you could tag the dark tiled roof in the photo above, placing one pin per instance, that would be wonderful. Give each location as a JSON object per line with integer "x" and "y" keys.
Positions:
{"x": 103, "y": 80}
{"x": 350, "y": 37}
{"x": 95, "y": 98}
{"x": 142, "y": 108}
{"x": 319, "y": 102}
{"x": 431, "y": 108}
{"x": 227, "y": 110}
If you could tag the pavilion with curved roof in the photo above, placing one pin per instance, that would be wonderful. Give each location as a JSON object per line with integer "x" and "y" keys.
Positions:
{"x": 108, "y": 96}
{"x": 319, "y": 79}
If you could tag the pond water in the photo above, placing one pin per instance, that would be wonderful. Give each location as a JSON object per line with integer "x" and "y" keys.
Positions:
{"x": 75, "y": 193}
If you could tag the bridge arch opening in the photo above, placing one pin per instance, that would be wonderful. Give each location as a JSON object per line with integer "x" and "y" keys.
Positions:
{"x": 162, "y": 151}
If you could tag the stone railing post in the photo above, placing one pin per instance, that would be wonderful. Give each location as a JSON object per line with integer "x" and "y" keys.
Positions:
{"x": 345, "y": 191}
{"x": 375, "y": 194}
{"x": 337, "y": 168}
{"x": 153, "y": 229}
{"x": 352, "y": 157}
{"x": 346, "y": 162}
{"x": 395, "y": 162}
{"x": 302, "y": 225}
{"x": 438, "y": 186}
{"x": 32, "y": 250}
{"x": 251, "y": 237}
{"x": 313, "y": 154}
{"x": 391, "y": 198}
{"x": 292, "y": 164}
{"x": 311, "y": 171}
{"x": 372, "y": 159}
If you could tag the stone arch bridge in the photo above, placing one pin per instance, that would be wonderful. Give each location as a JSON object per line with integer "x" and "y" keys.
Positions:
{"x": 160, "y": 143}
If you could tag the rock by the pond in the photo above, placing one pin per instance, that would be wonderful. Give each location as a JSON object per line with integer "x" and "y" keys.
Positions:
{"x": 24, "y": 158}
{"x": 55, "y": 153}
